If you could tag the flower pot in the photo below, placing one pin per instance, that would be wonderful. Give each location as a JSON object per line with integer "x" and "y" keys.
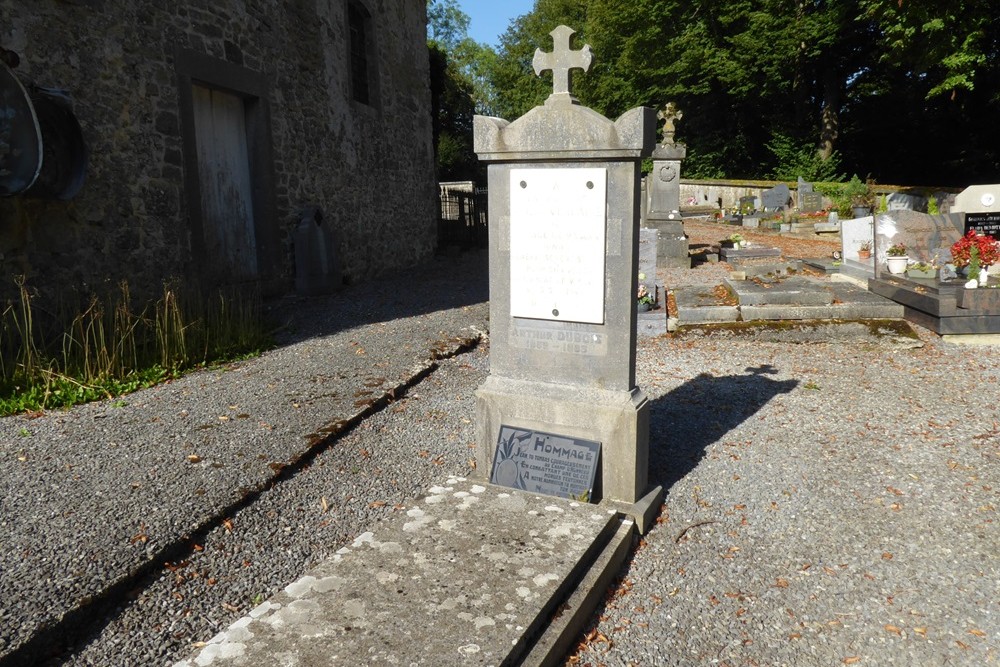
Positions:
{"x": 897, "y": 264}
{"x": 864, "y": 255}
{"x": 861, "y": 211}
{"x": 929, "y": 274}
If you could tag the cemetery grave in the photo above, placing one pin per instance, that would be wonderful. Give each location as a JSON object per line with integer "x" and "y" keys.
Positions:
{"x": 940, "y": 302}
{"x": 774, "y": 278}
{"x": 560, "y": 425}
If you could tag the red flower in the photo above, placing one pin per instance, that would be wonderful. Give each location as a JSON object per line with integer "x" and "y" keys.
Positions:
{"x": 988, "y": 253}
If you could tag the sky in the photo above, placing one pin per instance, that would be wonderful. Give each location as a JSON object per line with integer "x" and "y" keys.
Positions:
{"x": 489, "y": 18}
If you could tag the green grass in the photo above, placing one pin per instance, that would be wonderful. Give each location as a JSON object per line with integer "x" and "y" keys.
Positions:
{"x": 109, "y": 347}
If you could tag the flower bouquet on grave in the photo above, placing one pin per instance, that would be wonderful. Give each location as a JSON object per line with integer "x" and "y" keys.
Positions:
{"x": 961, "y": 250}
{"x": 645, "y": 299}
{"x": 734, "y": 241}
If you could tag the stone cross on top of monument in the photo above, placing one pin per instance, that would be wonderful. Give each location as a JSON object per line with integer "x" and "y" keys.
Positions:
{"x": 561, "y": 61}
{"x": 669, "y": 116}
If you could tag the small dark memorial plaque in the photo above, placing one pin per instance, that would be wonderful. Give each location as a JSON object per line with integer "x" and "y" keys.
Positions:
{"x": 983, "y": 223}
{"x": 810, "y": 202}
{"x": 539, "y": 462}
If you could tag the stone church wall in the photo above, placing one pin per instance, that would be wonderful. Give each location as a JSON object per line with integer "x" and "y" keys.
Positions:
{"x": 129, "y": 66}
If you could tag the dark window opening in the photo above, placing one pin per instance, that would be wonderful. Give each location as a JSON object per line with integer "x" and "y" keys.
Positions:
{"x": 357, "y": 21}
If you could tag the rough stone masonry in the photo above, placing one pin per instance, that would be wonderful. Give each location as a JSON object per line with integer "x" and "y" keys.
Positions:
{"x": 132, "y": 68}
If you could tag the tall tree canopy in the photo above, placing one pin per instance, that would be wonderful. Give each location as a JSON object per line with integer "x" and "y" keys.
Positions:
{"x": 902, "y": 90}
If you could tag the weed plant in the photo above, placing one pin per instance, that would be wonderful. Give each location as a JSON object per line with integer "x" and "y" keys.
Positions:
{"x": 110, "y": 347}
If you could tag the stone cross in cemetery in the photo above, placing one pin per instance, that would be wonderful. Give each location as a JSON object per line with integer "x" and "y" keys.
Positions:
{"x": 669, "y": 116}
{"x": 561, "y": 400}
{"x": 562, "y": 61}
{"x": 665, "y": 194}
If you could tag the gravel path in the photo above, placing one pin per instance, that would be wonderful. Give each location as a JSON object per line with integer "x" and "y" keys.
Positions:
{"x": 95, "y": 498}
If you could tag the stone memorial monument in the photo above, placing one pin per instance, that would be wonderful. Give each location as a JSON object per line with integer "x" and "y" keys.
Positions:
{"x": 981, "y": 206}
{"x": 776, "y": 198}
{"x": 564, "y": 231}
{"x": 665, "y": 194}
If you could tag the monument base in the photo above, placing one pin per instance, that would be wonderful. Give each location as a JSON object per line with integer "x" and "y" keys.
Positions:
{"x": 672, "y": 246}
{"x": 619, "y": 420}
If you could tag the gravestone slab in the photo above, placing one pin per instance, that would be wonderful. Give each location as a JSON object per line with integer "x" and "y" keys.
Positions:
{"x": 926, "y": 237}
{"x": 804, "y": 187}
{"x": 776, "y": 198}
{"x": 753, "y": 252}
{"x": 899, "y": 201}
{"x": 794, "y": 290}
{"x": 564, "y": 247}
{"x": 476, "y": 571}
{"x": 648, "y": 241}
{"x": 810, "y": 202}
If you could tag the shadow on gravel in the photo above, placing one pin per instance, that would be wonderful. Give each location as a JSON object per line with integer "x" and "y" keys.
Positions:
{"x": 443, "y": 283}
{"x": 684, "y": 422}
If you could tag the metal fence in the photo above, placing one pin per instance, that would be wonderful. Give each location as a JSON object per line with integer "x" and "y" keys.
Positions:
{"x": 464, "y": 216}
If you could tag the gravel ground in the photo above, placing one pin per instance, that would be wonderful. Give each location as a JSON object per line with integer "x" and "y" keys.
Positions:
{"x": 95, "y": 498}
{"x": 826, "y": 503}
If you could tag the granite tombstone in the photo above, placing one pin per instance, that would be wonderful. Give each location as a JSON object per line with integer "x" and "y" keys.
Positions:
{"x": 776, "y": 198}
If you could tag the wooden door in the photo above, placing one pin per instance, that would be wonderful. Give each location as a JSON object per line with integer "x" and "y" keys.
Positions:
{"x": 226, "y": 191}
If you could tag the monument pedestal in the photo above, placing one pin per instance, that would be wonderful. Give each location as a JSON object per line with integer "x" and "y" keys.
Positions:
{"x": 619, "y": 420}
{"x": 672, "y": 248}
{"x": 665, "y": 196}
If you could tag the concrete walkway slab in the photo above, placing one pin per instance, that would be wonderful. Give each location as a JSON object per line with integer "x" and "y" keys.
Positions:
{"x": 470, "y": 575}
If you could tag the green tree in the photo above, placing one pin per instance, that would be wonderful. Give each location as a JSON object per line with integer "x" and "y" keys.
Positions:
{"x": 774, "y": 87}
{"x": 517, "y": 89}
{"x": 447, "y": 24}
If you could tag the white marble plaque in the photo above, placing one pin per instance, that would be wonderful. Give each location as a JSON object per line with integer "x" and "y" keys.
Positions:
{"x": 557, "y": 244}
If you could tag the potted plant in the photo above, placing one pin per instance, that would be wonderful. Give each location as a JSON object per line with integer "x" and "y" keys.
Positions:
{"x": 735, "y": 241}
{"x": 861, "y": 196}
{"x": 985, "y": 247}
{"x": 645, "y": 299}
{"x": 865, "y": 250}
{"x": 896, "y": 258}
{"x": 922, "y": 271}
